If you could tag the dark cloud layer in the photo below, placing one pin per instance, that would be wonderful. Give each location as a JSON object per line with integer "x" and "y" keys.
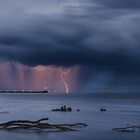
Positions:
{"x": 124, "y": 4}
{"x": 95, "y": 33}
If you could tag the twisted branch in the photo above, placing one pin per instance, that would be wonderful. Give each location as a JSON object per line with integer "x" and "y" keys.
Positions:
{"x": 132, "y": 128}
{"x": 39, "y": 124}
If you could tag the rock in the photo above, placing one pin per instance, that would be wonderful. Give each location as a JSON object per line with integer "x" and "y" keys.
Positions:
{"x": 69, "y": 109}
{"x": 103, "y": 109}
{"x": 78, "y": 110}
{"x": 64, "y": 109}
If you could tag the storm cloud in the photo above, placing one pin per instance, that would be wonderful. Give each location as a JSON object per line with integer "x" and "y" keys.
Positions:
{"x": 124, "y": 4}
{"x": 103, "y": 34}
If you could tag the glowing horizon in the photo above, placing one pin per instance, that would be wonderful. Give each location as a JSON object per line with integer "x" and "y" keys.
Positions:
{"x": 16, "y": 76}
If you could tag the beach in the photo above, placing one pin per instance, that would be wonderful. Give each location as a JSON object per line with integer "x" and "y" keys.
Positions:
{"x": 120, "y": 113}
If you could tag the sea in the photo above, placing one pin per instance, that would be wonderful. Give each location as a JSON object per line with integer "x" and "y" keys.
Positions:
{"x": 122, "y": 109}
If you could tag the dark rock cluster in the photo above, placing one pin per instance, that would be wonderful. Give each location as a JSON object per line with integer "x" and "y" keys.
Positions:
{"x": 63, "y": 109}
{"x": 103, "y": 110}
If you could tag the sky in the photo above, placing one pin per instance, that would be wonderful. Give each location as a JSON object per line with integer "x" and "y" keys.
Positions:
{"x": 77, "y": 45}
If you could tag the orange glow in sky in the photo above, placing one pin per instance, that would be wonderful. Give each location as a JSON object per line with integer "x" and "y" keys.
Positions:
{"x": 14, "y": 75}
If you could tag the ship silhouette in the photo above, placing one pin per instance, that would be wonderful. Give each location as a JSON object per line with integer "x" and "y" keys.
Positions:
{"x": 25, "y": 91}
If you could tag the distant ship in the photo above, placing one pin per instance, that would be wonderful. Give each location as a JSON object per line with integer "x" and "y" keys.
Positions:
{"x": 25, "y": 91}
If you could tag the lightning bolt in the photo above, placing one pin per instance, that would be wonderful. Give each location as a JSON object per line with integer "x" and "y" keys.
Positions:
{"x": 64, "y": 74}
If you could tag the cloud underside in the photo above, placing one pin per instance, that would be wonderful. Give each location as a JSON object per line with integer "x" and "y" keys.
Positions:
{"x": 103, "y": 34}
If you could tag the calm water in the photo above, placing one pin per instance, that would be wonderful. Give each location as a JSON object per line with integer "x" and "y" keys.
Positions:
{"x": 25, "y": 106}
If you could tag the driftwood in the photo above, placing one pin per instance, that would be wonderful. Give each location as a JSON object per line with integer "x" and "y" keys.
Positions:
{"x": 39, "y": 124}
{"x": 4, "y": 112}
{"x": 132, "y": 128}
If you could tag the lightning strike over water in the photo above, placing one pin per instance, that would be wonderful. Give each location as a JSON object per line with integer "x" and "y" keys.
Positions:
{"x": 64, "y": 74}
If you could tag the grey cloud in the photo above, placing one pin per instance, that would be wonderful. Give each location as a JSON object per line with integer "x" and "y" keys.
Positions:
{"x": 121, "y": 4}
{"x": 102, "y": 37}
